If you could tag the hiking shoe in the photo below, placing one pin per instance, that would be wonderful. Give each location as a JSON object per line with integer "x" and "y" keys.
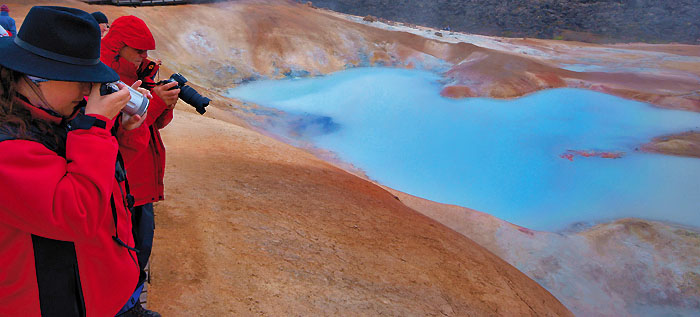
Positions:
{"x": 139, "y": 311}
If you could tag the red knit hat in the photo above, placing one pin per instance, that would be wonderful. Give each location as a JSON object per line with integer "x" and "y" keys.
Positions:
{"x": 133, "y": 32}
{"x": 4, "y": 8}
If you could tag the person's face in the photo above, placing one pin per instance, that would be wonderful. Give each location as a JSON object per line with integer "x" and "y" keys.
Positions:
{"x": 63, "y": 96}
{"x": 133, "y": 55}
{"x": 104, "y": 27}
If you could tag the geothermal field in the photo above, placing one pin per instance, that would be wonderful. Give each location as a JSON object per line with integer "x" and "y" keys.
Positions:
{"x": 358, "y": 166}
{"x": 542, "y": 161}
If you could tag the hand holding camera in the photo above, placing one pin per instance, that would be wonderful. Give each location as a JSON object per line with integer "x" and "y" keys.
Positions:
{"x": 176, "y": 82}
{"x": 171, "y": 89}
{"x": 137, "y": 104}
{"x": 135, "y": 121}
{"x": 134, "y": 109}
{"x": 107, "y": 105}
{"x": 168, "y": 92}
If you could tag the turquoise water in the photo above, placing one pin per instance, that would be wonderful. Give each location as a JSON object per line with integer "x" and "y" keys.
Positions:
{"x": 496, "y": 156}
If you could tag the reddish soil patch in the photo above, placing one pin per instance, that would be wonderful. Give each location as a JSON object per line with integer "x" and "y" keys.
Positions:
{"x": 457, "y": 92}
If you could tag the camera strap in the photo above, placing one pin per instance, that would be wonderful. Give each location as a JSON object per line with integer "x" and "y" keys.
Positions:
{"x": 147, "y": 74}
{"x": 127, "y": 200}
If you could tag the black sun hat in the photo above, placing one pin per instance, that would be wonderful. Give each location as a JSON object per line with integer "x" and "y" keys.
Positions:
{"x": 100, "y": 17}
{"x": 57, "y": 43}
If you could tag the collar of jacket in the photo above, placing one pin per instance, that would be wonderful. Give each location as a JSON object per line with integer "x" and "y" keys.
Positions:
{"x": 41, "y": 113}
{"x": 109, "y": 54}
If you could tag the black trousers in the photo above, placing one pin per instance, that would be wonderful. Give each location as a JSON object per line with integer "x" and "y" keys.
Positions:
{"x": 143, "y": 225}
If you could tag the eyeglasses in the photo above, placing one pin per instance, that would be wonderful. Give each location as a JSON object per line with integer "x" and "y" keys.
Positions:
{"x": 36, "y": 80}
{"x": 84, "y": 86}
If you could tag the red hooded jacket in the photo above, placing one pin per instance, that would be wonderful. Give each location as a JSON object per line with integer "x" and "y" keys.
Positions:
{"x": 146, "y": 165}
{"x": 68, "y": 199}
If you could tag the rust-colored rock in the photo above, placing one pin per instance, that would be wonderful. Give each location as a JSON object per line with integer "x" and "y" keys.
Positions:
{"x": 571, "y": 154}
{"x": 457, "y": 92}
{"x": 369, "y": 18}
{"x": 684, "y": 144}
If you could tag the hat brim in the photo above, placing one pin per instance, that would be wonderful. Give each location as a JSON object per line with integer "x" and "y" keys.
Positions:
{"x": 23, "y": 61}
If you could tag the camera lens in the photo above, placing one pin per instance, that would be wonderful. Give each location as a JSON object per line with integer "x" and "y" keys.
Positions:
{"x": 193, "y": 98}
{"x": 181, "y": 80}
{"x": 138, "y": 104}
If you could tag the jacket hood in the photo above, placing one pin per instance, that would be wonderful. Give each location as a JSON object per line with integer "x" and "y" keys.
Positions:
{"x": 131, "y": 31}
{"x": 125, "y": 31}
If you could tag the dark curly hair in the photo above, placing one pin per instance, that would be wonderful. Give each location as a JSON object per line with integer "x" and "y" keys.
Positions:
{"x": 17, "y": 121}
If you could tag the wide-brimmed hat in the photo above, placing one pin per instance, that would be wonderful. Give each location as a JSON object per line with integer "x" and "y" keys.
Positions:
{"x": 57, "y": 43}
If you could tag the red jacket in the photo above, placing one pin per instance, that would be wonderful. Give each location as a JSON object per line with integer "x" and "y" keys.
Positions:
{"x": 68, "y": 199}
{"x": 145, "y": 162}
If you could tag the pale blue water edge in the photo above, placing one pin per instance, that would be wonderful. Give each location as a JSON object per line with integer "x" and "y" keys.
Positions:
{"x": 496, "y": 156}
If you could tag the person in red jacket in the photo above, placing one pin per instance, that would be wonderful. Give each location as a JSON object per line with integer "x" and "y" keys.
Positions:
{"x": 66, "y": 247}
{"x": 102, "y": 20}
{"x": 125, "y": 49}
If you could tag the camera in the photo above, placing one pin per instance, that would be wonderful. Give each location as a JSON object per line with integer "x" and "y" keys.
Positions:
{"x": 187, "y": 93}
{"x": 138, "y": 103}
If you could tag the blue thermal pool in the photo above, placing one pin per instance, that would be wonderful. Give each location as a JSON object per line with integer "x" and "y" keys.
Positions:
{"x": 543, "y": 161}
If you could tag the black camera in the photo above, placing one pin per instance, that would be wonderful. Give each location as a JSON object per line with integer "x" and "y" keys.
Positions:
{"x": 187, "y": 93}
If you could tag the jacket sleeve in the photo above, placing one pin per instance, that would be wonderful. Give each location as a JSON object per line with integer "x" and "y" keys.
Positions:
{"x": 132, "y": 142}
{"x": 49, "y": 196}
{"x": 156, "y": 108}
{"x": 164, "y": 119}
